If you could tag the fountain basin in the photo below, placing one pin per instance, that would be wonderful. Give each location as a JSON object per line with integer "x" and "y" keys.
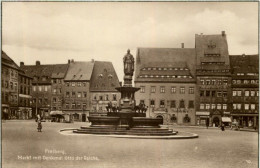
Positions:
{"x": 104, "y": 120}
{"x": 146, "y": 122}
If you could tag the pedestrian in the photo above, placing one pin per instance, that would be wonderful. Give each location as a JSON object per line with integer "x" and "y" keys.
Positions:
{"x": 223, "y": 127}
{"x": 39, "y": 122}
{"x": 207, "y": 123}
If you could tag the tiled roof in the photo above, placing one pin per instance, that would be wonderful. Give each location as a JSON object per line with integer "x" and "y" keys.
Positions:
{"x": 244, "y": 63}
{"x": 211, "y": 45}
{"x": 48, "y": 71}
{"x": 6, "y": 60}
{"x": 104, "y": 77}
{"x": 79, "y": 71}
{"x": 169, "y": 58}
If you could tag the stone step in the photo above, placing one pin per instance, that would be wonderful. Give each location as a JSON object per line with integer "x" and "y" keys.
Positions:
{"x": 152, "y": 134}
{"x": 101, "y": 132}
{"x": 117, "y": 128}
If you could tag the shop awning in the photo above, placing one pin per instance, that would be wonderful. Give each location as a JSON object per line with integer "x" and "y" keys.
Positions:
{"x": 56, "y": 113}
{"x": 226, "y": 119}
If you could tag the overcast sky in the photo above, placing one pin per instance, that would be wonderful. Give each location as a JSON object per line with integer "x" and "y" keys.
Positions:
{"x": 54, "y": 32}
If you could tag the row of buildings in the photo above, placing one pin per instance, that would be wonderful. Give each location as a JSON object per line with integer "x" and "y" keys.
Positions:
{"x": 181, "y": 85}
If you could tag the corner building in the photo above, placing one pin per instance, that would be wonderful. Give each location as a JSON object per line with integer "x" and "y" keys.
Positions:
{"x": 167, "y": 80}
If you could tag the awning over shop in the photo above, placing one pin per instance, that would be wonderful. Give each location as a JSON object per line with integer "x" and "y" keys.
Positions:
{"x": 226, "y": 119}
{"x": 56, "y": 113}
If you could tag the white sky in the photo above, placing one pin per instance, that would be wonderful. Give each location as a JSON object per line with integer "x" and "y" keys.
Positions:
{"x": 54, "y": 32}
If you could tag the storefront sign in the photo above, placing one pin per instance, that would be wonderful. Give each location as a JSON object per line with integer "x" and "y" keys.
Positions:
{"x": 200, "y": 113}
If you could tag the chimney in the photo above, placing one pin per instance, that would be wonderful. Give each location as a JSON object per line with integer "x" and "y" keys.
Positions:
{"x": 223, "y": 33}
{"x": 21, "y": 64}
{"x": 38, "y": 63}
{"x": 92, "y": 60}
{"x": 182, "y": 45}
{"x": 68, "y": 61}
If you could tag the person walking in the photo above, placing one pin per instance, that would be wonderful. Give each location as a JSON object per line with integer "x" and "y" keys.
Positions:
{"x": 39, "y": 122}
{"x": 223, "y": 126}
{"x": 207, "y": 123}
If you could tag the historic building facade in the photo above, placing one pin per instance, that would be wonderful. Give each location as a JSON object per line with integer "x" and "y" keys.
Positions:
{"x": 245, "y": 90}
{"x": 166, "y": 78}
{"x": 76, "y": 90}
{"x": 9, "y": 90}
{"x": 213, "y": 79}
{"x": 25, "y": 96}
{"x": 103, "y": 82}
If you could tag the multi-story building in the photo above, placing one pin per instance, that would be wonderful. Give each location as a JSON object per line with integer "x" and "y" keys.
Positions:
{"x": 245, "y": 89}
{"x": 76, "y": 90}
{"x": 103, "y": 82}
{"x": 42, "y": 85}
{"x": 166, "y": 78}
{"x": 213, "y": 79}
{"x": 25, "y": 96}
{"x": 9, "y": 90}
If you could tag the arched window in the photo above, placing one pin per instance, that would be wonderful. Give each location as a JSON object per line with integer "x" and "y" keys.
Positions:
{"x": 186, "y": 119}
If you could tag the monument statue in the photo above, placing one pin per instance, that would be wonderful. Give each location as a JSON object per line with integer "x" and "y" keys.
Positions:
{"x": 128, "y": 63}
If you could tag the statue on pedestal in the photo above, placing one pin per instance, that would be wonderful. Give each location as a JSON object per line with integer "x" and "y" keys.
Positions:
{"x": 128, "y": 63}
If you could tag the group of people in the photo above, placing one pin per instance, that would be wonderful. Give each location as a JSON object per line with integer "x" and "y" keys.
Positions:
{"x": 112, "y": 108}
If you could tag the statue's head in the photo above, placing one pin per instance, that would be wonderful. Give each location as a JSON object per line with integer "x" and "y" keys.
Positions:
{"x": 128, "y": 51}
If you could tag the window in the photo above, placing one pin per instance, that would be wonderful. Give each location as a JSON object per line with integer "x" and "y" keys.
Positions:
{"x": 213, "y": 106}
{"x": 201, "y": 106}
{"x": 153, "y": 89}
{"x": 257, "y": 93}
{"x": 54, "y": 81}
{"x": 67, "y": 94}
{"x": 182, "y": 105}
{"x": 182, "y": 90}
{"x": 252, "y": 107}
{"x": 207, "y": 106}
{"x": 238, "y": 81}
{"x": 84, "y": 94}
{"x": 202, "y": 82}
{"x": 207, "y": 93}
{"x": 106, "y": 97}
{"x": 252, "y": 93}
{"x": 45, "y": 88}
{"x": 142, "y": 89}
{"x": 67, "y": 84}
{"x": 173, "y": 104}
{"x": 191, "y": 90}
{"x": 234, "y": 81}
{"x": 238, "y": 106}
{"x": 162, "y": 89}
{"x": 234, "y": 93}
{"x": 213, "y": 93}
{"x": 73, "y": 94}
{"x": 73, "y": 84}
{"x": 40, "y": 88}
{"x": 253, "y": 81}
{"x": 191, "y": 104}
{"x": 219, "y": 82}
{"x": 201, "y": 93}
{"x": 54, "y": 100}
{"x": 207, "y": 82}
{"x": 173, "y": 89}
{"x": 78, "y": 105}
{"x": 73, "y": 105}
{"x": 246, "y": 106}
{"x": 100, "y": 97}
{"x": 79, "y": 83}
{"x": 239, "y": 93}
{"x": 54, "y": 91}
{"x": 224, "y": 94}
{"x": 84, "y": 84}
{"x": 246, "y": 93}
{"x": 59, "y": 81}
{"x": 114, "y": 97}
{"x": 162, "y": 103}
{"x": 84, "y": 106}
{"x": 11, "y": 85}
{"x": 224, "y": 106}
{"x": 152, "y": 103}
{"x": 234, "y": 106}
{"x": 246, "y": 81}
{"x": 219, "y": 106}
{"x": 40, "y": 100}
{"x": 225, "y": 82}
{"x": 213, "y": 81}
{"x": 79, "y": 94}
{"x": 219, "y": 94}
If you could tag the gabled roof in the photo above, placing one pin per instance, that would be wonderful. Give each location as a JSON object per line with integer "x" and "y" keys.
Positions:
{"x": 244, "y": 63}
{"x": 104, "y": 77}
{"x": 79, "y": 71}
{"x": 165, "y": 58}
{"x": 59, "y": 71}
{"x": 6, "y": 60}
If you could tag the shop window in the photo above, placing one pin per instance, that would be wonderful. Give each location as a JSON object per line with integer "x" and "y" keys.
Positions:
{"x": 173, "y": 104}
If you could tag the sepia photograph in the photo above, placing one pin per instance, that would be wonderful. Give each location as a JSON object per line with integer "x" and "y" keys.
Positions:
{"x": 151, "y": 84}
